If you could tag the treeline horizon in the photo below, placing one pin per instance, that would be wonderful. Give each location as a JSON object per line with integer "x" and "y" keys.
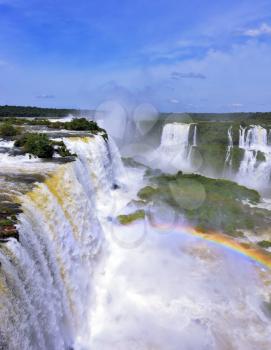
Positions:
{"x": 8, "y": 111}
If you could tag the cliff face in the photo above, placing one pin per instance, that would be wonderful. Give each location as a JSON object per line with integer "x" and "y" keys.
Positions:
{"x": 47, "y": 254}
{"x": 228, "y": 149}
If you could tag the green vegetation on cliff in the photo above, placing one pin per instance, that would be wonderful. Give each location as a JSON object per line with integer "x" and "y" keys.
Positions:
{"x": 265, "y": 244}
{"x": 211, "y": 204}
{"x": 243, "y": 118}
{"x": 8, "y": 130}
{"x": 77, "y": 124}
{"x": 39, "y": 145}
{"x": 213, "y": 142}
{"x": 129, "y": 218}
{"x": 17, "y": 115}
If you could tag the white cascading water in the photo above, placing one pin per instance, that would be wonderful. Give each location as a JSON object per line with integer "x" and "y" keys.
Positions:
{"x": 175, "y": 150}
{"x": 74, "y": 281}
{"x": 229, "y": 148}
{"x": 195, "y": 137}
{"x": 255, "y": 172}
{"x": 228, "y": 158}
{"x": 45, "y": 279}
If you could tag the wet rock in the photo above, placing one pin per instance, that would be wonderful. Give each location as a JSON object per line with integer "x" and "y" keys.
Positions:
{"x": 266, "y": 307}
{"x": 16, "y": 151}
{"x": 115, "y": 187}
{"x": 68, "y": 348}
{"x": 62, "y": 160}
{"x": 25, "y": 178}
{"x": 7, "y": 232}
{"x": 9, "y": 208}
{"x": 8, "y": 220}
{"x": 4, "y": 150}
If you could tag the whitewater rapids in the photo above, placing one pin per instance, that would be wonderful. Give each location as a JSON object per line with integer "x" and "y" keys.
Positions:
{"x": 79, "y": 280}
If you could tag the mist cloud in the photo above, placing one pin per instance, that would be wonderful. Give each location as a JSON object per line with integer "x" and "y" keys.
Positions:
{"x": 190, "y": 75}
{"x": 263, "y": 29}
{"x": 45, "y": 96}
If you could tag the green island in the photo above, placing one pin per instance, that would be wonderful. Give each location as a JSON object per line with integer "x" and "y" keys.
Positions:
{"x": 209, "y": 204}
{"x": 264, "y": 244}
{"x": 130, "y": 218}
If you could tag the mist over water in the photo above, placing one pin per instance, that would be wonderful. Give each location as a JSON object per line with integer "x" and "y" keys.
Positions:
{"x": 78, "y": 279}
{"x": 173, "y": 291}
{"x": 178, "y": 292}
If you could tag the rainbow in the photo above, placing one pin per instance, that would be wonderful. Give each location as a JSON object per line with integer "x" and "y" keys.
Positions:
{"x": 248, "y": 250}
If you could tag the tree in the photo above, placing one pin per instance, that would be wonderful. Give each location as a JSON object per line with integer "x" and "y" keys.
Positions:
{"x": 7, "y": 130}
{"x": 39, "y": 145}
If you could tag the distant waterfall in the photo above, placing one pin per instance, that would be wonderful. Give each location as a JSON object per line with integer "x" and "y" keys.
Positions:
{"x": 195, "y": 136}
{"x": 242, "y": 133}
{"x": 228, "y": 158}
{"x": 174, "y": 152}
{"x": 255, "y": 168}
{"x": 45, "y": 279}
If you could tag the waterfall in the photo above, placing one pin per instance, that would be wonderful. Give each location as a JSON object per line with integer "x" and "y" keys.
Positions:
{"x": 228, "y": 159}
{"x": 45, "y": 278}
{"x": 242, "y": 137}
{"x": 175, "y": 150}
{"x": 195, "y": 136}
{"x": 176, "y": 134}
{"x": 255, "y": 168}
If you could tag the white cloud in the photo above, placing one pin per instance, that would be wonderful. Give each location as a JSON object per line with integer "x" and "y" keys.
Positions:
{"x": 263, "y": 29}
{"x": 174, "y": 100}
{"x": 236, "y": 105}
{"x": 45, "y": 96}
{"x": 239, "y": 75}
{"x": 190, "y": 75}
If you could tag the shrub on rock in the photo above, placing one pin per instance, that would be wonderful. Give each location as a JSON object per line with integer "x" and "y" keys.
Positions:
{"x": 37, "y": 144}
{"x": 8, "y": 130}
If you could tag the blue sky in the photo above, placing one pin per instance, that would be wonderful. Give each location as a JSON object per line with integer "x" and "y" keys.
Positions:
{"x": 177, "y": 55}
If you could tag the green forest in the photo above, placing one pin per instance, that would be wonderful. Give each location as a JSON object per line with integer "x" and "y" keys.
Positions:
{"x": 38, "y": 112}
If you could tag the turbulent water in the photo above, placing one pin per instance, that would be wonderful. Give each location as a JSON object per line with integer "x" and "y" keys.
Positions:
{"x": 177, "y": 292}
{"x": 78, "y": 279}
{"x": 45, "y": 281}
